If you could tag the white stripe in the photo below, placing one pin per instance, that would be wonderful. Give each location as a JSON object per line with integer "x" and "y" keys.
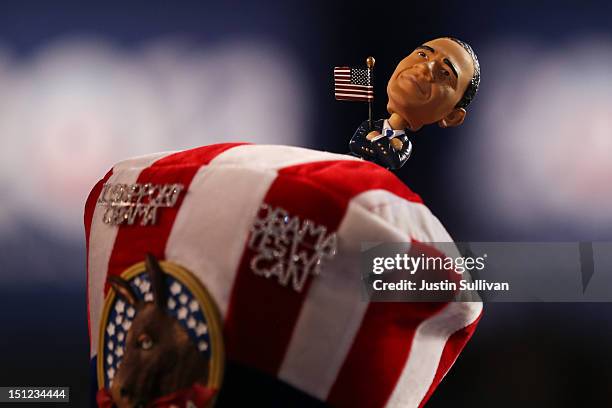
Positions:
{"x": 354, "y": 88}
{"x": 431, "y": 335}
{"x": 334, "y": 307}
{"x": 414, "y": 219}
{"x": 140, "y": 162}
{"x": 212, "y": 225}
{"x": 102, "y": 239}
{"x": 427, "y": 346}
{"x": 347, "y": 83}
{"x": 274, "y": 157}
{"x": 350, "y": 85}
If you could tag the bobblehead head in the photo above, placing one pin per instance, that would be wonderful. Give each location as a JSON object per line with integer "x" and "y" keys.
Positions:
{"x": 434, "y": 84}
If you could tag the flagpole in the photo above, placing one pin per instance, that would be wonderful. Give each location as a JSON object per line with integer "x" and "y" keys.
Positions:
{"x": 370, "y": 61}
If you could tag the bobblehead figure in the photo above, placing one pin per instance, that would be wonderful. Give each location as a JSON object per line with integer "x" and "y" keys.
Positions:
{"x": 434, "y": 84}
{"x": 174, "y": 285}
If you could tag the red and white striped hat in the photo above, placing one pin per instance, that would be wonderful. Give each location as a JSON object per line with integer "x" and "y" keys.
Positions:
{"x": 325, "y": 340}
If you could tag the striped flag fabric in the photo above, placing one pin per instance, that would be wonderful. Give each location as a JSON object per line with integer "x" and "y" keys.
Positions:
{"x": 353, "y": 84}
{"x": 325, "y": 340}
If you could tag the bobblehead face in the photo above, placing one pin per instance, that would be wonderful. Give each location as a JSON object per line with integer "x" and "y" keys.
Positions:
{"x": 427, "y": 85}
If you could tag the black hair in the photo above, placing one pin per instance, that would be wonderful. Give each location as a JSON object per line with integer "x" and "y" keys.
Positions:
{"x": 472, "y": 87}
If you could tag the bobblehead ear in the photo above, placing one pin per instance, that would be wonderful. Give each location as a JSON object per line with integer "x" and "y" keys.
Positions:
{"x": 455, "y": 118}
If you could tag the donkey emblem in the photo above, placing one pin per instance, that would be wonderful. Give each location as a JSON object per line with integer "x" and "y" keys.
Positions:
{"x": 160, "y": 359}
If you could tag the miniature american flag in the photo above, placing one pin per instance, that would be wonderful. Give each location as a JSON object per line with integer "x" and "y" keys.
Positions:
{"x": 353, "y": 84}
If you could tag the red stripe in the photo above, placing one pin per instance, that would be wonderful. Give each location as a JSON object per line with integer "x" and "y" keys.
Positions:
{"x": 452, "y": 349}
{"x": 262, "y": 314}
{"x": 383, "y": 343}
{"x": 365, "y": 93}
{"x": 348, "y": 178}
{"x": 133, "y": 242}
{"x": 350, "y": 85}
{"x": 90, "y": 206}
{"x": 353, "y": 91}
{"x": 353, "y": 86}
{"x": 379, "y": 353}
{"x": 382, "y": 346}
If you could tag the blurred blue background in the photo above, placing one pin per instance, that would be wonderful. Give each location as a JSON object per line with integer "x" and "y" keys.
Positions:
{"x": 86, "y": 85}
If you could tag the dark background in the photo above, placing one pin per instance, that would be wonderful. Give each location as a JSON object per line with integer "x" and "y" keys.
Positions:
{"x": 529, "y": 355}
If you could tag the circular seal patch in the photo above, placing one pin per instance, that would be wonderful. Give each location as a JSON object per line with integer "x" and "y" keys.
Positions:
{"x": 160, "y": 338}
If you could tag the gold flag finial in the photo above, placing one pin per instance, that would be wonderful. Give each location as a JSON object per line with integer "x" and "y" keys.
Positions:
{"x": 370, "y": 61}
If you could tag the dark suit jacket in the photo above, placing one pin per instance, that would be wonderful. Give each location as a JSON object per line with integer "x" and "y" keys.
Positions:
{"x": 380, "y": 152}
